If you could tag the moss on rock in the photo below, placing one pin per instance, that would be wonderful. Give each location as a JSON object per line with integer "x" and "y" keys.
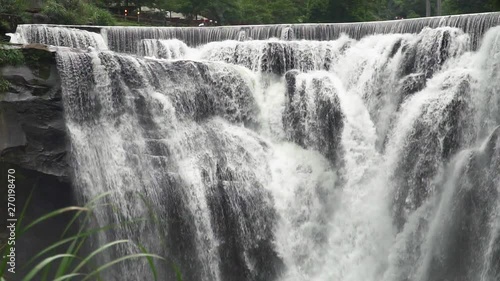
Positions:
{"x": 36, "y": 57}
{"x": 11, "y": 56}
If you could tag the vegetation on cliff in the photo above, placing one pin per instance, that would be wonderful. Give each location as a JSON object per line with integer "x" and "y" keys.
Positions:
{"x": 39, "y": 61}
{"x": 96, "y": 12}
{"x": 14, "y": 12}
{"x": 9, "y": 57}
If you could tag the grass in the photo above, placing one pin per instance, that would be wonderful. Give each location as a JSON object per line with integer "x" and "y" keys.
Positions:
{"x": 63, "y": 260}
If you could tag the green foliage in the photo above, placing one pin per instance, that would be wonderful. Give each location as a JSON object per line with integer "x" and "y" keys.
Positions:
{"x": 11, "y": 57}
{"x": 65, "y": 259}
{"x": 58, "y": 13}
{"x": 98, "y": 16}
{"x": 13, "y": 7}
{"x": 284, "y": 11}
{"x": 4, "y": 85}
{"x": 76, "y": 12}
{"x": 4, "y": 27}
{"x": 12, "y": 12}
{"x": 294, "y": 11}
{"x": 39, "y": 61}
{"x": 469, "y": 6}
{"x": 249, "y": 11}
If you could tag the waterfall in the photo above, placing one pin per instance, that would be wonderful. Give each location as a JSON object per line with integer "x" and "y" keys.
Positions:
{"x": 125, "y": 39}
{"x": 59, "y": 36}
{"x": 367, "y": 151}
{"x": 475, "y": 25}
{"x": 164, "y": 49}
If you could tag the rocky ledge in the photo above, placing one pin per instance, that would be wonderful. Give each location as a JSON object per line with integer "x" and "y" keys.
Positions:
{"x": 33, "y": 142}
{"x": 32, "y": 131}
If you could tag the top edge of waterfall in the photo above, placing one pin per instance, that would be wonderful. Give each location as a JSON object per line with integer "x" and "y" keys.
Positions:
{"x": 277, "y": 24}
{"x": 124, "y": 39}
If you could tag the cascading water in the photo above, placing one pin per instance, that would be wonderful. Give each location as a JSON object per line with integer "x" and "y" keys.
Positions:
{"x": 124, "y": 39}
{"x": 165, "y": 49}
{"x": 58, "y": 36}
{"x": 360, "y": 158}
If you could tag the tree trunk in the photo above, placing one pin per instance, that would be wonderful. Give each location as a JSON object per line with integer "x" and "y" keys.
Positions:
{"x": 439, "y": 12}
{"x": 427, "y": 8}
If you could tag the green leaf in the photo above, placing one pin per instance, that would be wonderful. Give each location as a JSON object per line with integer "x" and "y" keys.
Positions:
{"x": 44, "y": 263}
{"x": 150, "y": 261}
{"x": 178, "y": 273}
{"x": 52, "y": 214}
{"x": 68, "y": 276}
{"x": 111, "y": 263}
{"x": 102, "y": 248}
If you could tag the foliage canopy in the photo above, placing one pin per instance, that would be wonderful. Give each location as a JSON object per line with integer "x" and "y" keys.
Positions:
{"x": 252, "y": 11}
{"x": 296, "y": 11}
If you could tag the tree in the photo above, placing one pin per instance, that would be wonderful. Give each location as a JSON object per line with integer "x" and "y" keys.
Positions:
{"x": 221, "y": 10}
{"x": 469, "y": 6}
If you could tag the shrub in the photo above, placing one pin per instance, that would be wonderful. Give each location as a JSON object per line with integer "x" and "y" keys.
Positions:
{"x": 57, "y": 13}
{"x": 76, "y": 12}
{"x": 98, "y": 16}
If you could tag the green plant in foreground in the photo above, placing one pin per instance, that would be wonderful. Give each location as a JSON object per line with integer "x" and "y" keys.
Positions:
{"x": 67, "y": 261}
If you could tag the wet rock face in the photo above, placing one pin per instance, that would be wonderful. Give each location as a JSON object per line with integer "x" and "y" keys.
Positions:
{"x": 313, "y": 117}
{"x": 33, "y": 143}
{"x": 48, "y": 193}
{"x": 429, "y": 145}
{"x": 278, "y": 58}
{"x": 32, "y": 130}
{"x": 473, "y": 202}
{"x": 252, "y": 222}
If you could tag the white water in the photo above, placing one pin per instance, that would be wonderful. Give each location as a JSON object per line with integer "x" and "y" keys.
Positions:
{"x": 164, "y": 49}
{"x": 58, "y": 36}
{"x": 298, "y": 160}
{"x": 124, "y": 39}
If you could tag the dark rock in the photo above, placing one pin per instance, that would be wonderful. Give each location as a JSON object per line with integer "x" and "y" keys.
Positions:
{"x": 411, "y": 84}
{"x": 278, "y": 58}
{"x": 320, "y": 127}
{"x": 31, "y": 120}
{"x": 470, "y": 231}
{"x": 33, "y": 143}
{"x": 429, "y": 145}
{"x": 48, "y": 193}
{"x": 243, "y": 221}
{"x": 40, "y": 18}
